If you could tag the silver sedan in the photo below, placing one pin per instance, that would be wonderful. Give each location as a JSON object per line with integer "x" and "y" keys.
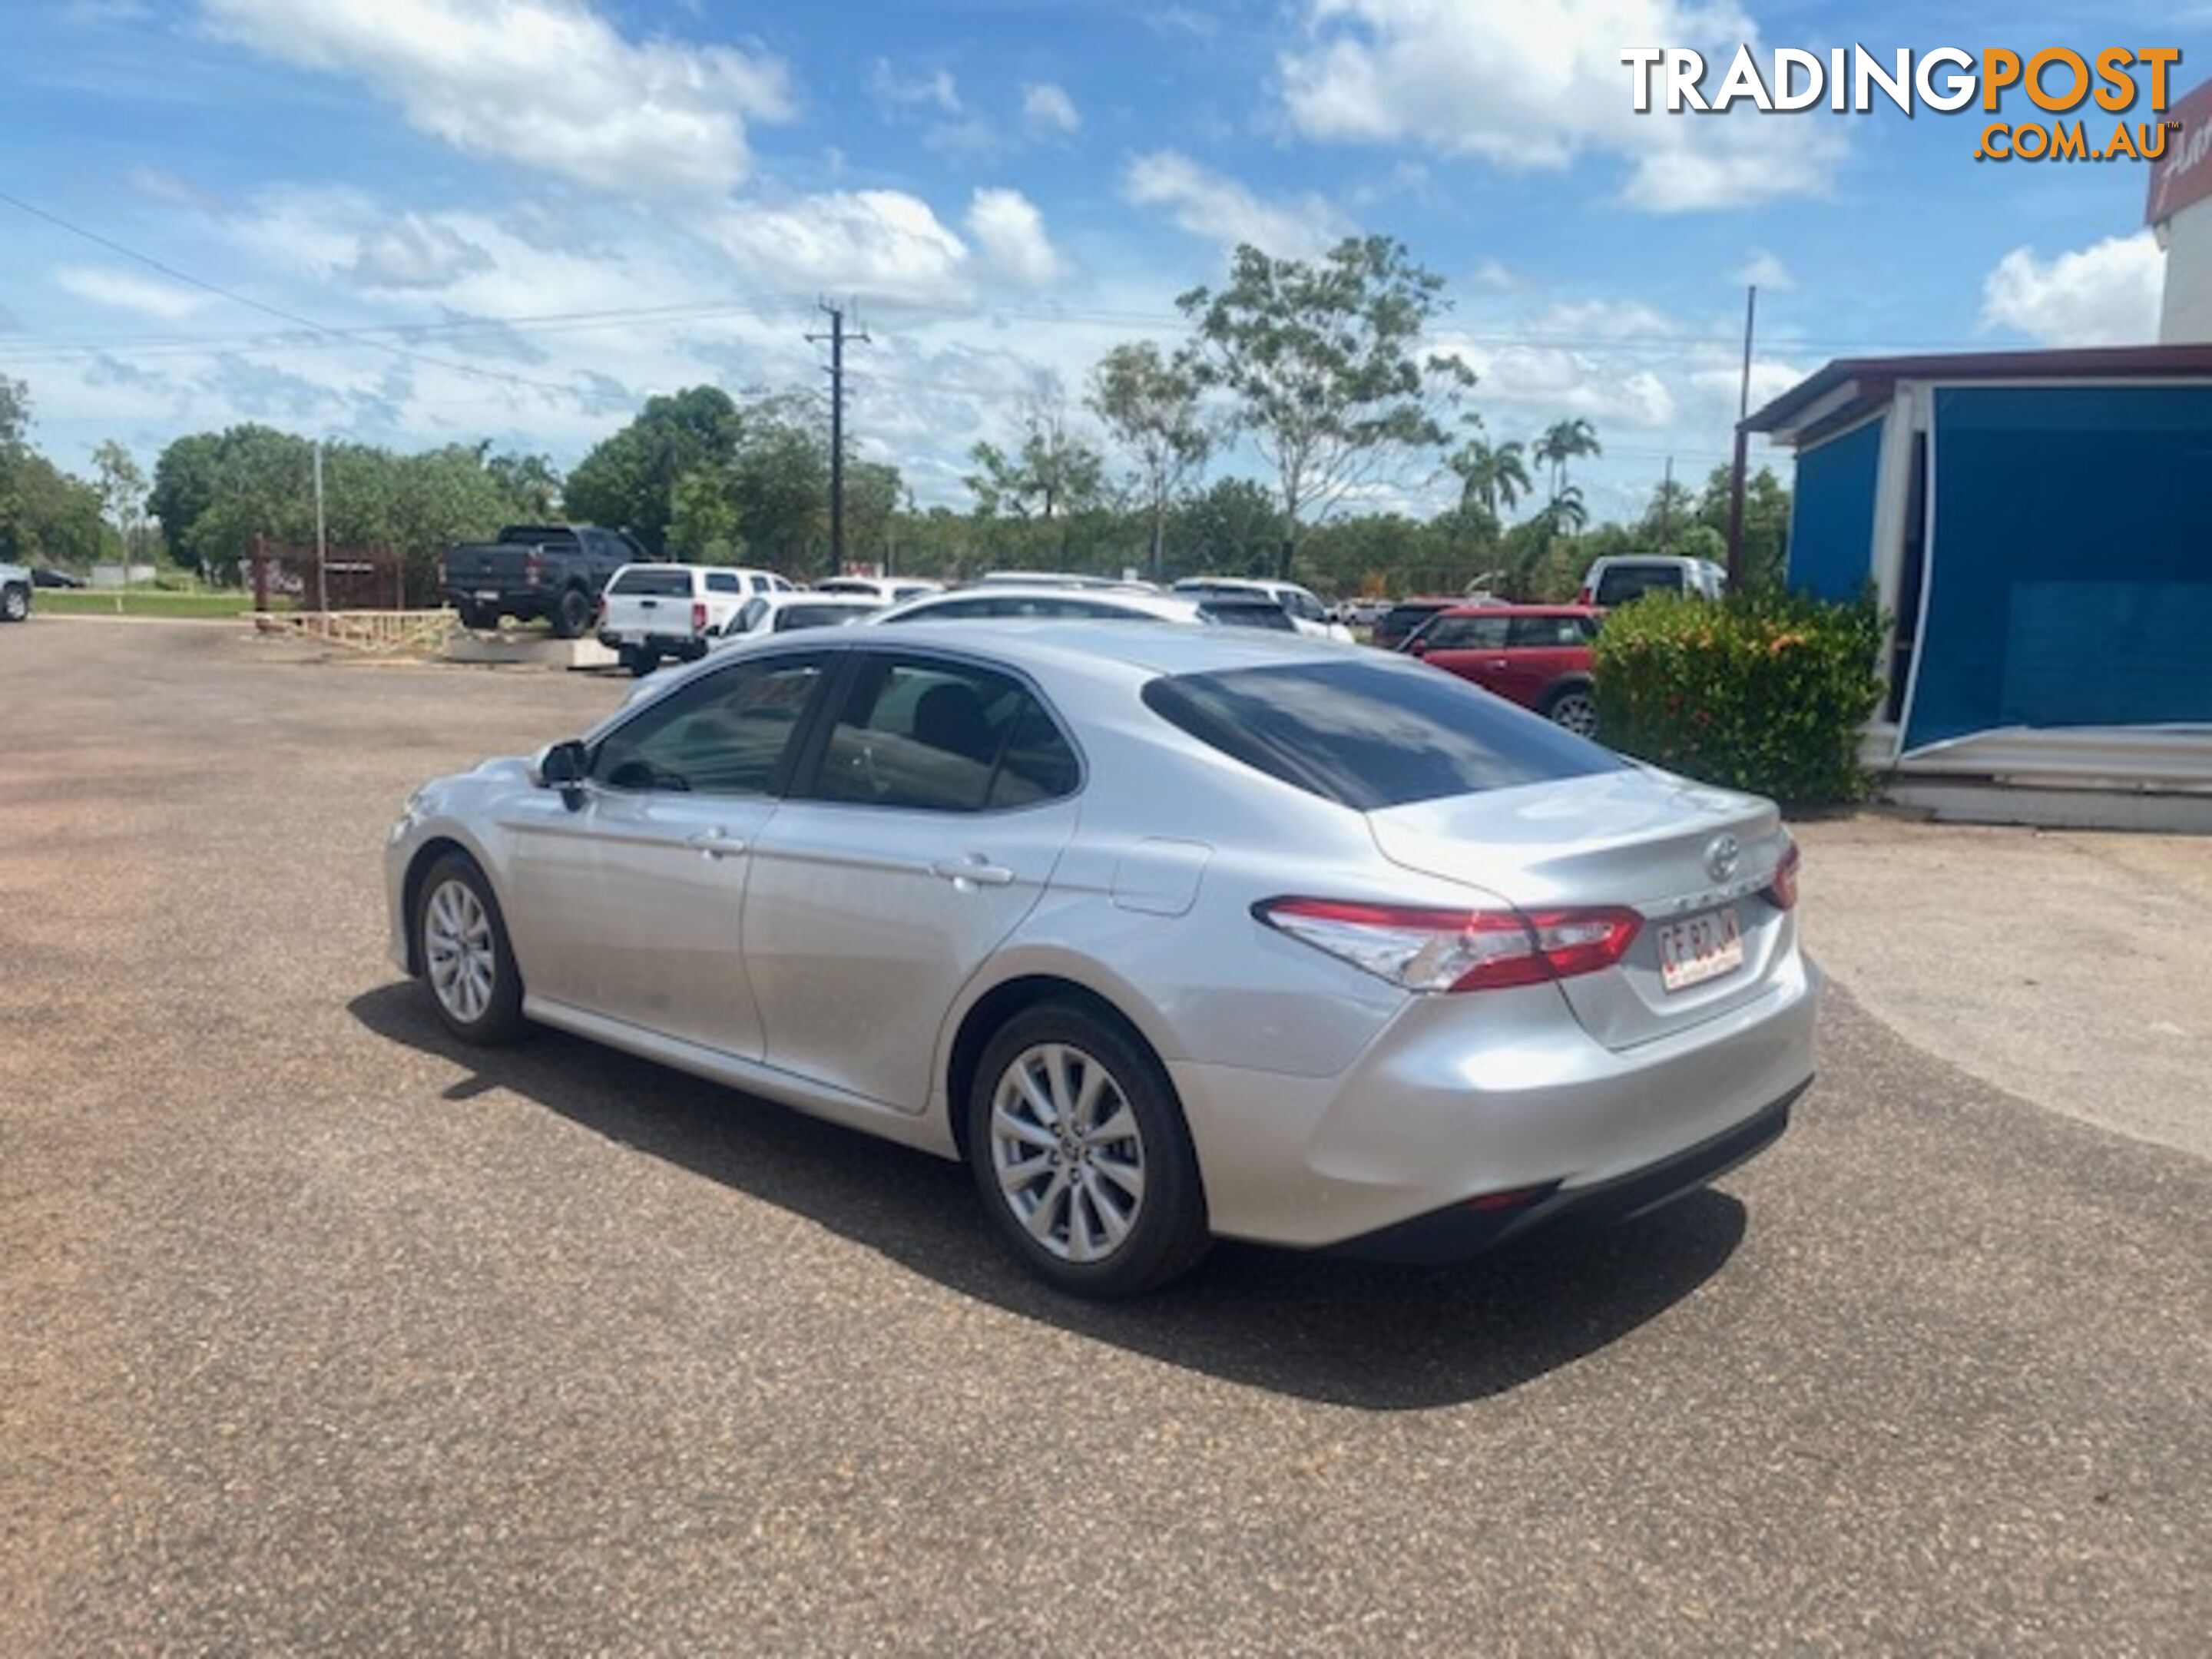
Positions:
{"x": 1172, "y": 934}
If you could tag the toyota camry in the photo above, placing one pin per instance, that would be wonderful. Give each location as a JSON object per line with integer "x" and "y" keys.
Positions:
{"x": 1170, "y": 934}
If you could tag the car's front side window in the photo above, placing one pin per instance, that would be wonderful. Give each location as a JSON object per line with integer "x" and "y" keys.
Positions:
{"x": 727, "y": 733}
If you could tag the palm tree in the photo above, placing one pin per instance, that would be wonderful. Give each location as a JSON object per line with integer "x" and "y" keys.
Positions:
{"x": 1492, "y": 475}
{"x": 1563, "y": 440}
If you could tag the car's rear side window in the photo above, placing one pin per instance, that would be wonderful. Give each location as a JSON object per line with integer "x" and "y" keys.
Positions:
{"x": 1624, "y": 582}
{"x": 648, "y": 581}
{"x": 1369, "y": 736}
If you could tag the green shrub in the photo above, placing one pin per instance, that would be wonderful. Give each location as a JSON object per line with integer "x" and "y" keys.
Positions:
{"x": 1763, "y": 691}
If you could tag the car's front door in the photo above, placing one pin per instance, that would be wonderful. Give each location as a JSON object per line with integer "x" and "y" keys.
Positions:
{"x": 678, "y": 795}
{"x": 923, "y": 828}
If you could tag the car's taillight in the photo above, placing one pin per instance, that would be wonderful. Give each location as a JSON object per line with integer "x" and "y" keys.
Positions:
{"x": 1782, "y": 890}
{"x": 698, "y": 616}
{"x": 1585, "y": 597}
{"x": 1434, "y": 950}
{"x": 533, "y": 566}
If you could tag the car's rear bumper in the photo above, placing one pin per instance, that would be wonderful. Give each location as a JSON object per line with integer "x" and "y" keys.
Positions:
{"x": 687, "y": 645}
{"x": 1456, "y": 1102}
{"x": 1461, "y": 1231}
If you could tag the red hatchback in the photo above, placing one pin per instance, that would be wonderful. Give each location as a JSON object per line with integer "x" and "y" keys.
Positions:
{"x": 1536, "y": 655}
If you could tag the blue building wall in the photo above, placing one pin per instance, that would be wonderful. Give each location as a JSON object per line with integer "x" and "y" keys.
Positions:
{"x": 1832, "y": 516}
{"x": 2070, "y": 575}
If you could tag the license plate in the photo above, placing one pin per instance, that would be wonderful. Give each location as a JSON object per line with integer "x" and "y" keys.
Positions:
{"x": 1699, "y": 948}
{"x": 487, "y": 596}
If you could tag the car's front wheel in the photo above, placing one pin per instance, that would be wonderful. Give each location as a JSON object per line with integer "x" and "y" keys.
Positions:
{"x": 461, "y": 939}
{"x": 1080, "y": 1150}
{"x": 15, "y": 603}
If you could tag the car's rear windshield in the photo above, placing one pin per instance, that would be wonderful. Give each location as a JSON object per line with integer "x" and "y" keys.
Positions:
{"x": 1624, "y": 582}
{"x": 1248, "y": 613}
{"x": 662, "y": 583}
{"x": 816, "y": 616}
{"x": 1369, "y": 736}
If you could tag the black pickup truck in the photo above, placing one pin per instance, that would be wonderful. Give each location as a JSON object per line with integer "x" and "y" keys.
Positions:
{"x": 550, "y": 571}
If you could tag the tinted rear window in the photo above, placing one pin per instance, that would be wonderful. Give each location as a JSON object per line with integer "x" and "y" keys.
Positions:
{"x": 1367, "y": 737}
{"x": 664, "y": 583}
{"x": 1624, "y": 582}
{"x": 1248, "y": 613}
{"x": 816, "y": 616}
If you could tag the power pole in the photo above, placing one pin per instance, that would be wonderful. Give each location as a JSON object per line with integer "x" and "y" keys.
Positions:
{"x": 322, "y": 545}
{"x": 1742, "y": 448}
{"x": 837, "y": 336}
{"x": 1667, "y": 507}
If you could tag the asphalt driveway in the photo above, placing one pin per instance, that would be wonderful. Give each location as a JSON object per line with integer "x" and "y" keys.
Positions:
{"x": 318, "y": 1333}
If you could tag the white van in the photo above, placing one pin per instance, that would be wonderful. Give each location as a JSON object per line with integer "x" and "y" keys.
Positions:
{"x": 1617, "y": 579}
{"x": 654, "y": 610}
{"x": 1308, "y": 615}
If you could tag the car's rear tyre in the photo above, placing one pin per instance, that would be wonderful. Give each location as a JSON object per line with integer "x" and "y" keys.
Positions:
{"x": 572, "y": 613}
{"x": 1574, "y": 708}
{"x": 15, "y": 603}
{"x": 1079, "y": 1150}
{"x": 639, "y": 659}
{"x": 476, "y": 616}
{"x": 461, "y": 939}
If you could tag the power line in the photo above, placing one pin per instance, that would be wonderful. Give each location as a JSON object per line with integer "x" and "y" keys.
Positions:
{"x": 292, "y": 317}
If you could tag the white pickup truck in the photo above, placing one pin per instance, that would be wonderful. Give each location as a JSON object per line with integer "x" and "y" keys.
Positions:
{"x": 649, "y": 611}
{"x": 15, "y": 593}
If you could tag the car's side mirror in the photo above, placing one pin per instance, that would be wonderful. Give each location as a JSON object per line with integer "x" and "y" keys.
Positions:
{"x": 562, "y": 766}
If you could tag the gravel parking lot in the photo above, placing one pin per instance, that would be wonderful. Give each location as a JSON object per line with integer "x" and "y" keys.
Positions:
{"x": 318, "y": 1334}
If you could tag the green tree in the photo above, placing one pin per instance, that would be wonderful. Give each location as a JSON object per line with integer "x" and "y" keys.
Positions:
{"x": 1231, "y": 529}
{"x": 1766, "y": 525}
{"x": 1564, "y": 441}
{"x": 531, "y": 483}
{"x": 122, "y": 489}
{"x": 1320, "y": 360}
{"x": 628, "y": 481}
{"x": 702, "y": 525}
{"x": 1148, "y": 402}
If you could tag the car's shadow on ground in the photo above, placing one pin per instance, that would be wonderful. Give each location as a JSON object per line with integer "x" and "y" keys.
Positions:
{"x": 1312, "y": 1325}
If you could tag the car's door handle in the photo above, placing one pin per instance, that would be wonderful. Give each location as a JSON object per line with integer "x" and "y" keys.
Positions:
{"x": 975, "y": 869}
{"x": 716, "y": 843}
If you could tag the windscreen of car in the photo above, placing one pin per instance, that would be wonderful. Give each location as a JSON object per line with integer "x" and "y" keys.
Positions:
{"x": 652, "y": 581}
{"x": 1624, "y": 582}
{"x": 1404, "y": 618}
{"x": 816, "y": 616}
{"x": 1369, "y": 736}
{"x": 1304, "y": 606}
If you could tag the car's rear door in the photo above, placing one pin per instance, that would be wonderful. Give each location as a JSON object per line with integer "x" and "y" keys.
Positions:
{"x": 924, "y": 825}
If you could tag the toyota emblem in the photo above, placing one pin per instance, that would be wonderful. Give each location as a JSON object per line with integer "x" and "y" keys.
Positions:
{"x": 1723, "y": 855}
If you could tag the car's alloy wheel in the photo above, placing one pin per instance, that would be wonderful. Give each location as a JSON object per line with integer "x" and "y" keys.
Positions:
{"x": 1067, "y": 1151}
{"x": 462, "y": 943}
{"x": 1577, "y": 711}
{"x": 15, "y": 605}
{"x": 1081, "y": 1154}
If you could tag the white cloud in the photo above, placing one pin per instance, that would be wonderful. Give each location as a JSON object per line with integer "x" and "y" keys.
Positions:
{"x": 124, "y": 291}
{"x": 935, "y": 89}
{"x": 1763, "y": 268}
{"x": 544, "y": 84}
{"x": 413, "y": 252}
{"x": 1047, "y": 109}
{"x": 1213, "y": 206}
{"x": 1009, "y": 234}
{"x": 880, "y": 242}
{"x": 1537, "y": 83}
{"x": 2105, "y": 294}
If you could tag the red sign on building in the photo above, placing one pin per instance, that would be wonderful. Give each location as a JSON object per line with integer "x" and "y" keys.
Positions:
{"x": 2183, "y": 174}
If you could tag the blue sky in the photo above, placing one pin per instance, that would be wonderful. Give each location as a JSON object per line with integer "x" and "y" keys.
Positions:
{"x": 526, "y": 216}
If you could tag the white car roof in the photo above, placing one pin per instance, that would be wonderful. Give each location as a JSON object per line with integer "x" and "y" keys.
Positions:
{"x": 1165, "y": 606}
